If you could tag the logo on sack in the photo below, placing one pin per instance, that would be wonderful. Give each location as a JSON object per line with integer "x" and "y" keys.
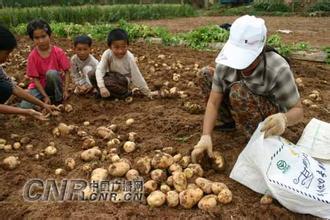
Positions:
{"x": 283, "y": 166}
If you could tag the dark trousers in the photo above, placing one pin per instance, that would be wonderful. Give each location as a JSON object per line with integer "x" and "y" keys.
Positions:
{"x": 6, "y": 90}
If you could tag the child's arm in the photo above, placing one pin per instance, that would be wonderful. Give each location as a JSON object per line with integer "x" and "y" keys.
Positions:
{"x": 21, "y": 93}
{"x": 5, "y": 109}
{"x": 100, "y": 72}
{"x": 137, "y": 78}
{"x": 41, "y": 90}
{"x": 66, "y": 85}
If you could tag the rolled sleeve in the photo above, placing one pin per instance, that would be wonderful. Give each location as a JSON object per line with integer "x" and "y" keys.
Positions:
{"x": 285, "y": 91}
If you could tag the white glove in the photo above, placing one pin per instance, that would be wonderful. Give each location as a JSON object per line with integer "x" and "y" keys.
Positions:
{"x": 204, "y": 144}
{"x": 275, "y": 124}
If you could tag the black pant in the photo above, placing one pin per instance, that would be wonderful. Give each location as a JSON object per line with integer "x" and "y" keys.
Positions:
{"x": 6, "y": 90}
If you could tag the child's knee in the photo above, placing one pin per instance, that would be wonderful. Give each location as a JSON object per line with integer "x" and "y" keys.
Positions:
{"x": 52, "y": 75}
{"x": 6, "y": 91}
{"x": 87, "y": 70}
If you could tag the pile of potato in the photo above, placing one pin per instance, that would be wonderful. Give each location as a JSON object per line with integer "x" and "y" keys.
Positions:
{"x": 168, "y": 177}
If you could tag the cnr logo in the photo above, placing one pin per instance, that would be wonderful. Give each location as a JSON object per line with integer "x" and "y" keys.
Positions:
{"x": 283, "y": 166}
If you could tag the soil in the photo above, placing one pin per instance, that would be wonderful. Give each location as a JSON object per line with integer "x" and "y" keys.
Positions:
{"x": 158, "y": 123}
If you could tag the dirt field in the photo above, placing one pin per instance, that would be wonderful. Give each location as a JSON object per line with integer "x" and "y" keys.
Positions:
{"x": 158, "y": 123}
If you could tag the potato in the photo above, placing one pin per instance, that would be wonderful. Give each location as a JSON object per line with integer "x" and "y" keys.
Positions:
{"x": 132, "y": 136}
{"x": 59, "y": 172}
{"x": 179, "y": 181}
{"x": 266, "y": 200}
{"x": 143, "y": 165}
{"x": 161, "y": 56}
{"x": 158, "y": 175}
{"x": 86, "y": 123}
{"x": 119, "y": 168}
{"x": 113, "y": 127}
{"x": 50, "y": 150}
{"x": 113, "y": 142}
{"x": 25, "y": 140}
{"x": 15, "y": 137}
{"x": 70, "y": 163}
{"x": 150, "y": 186}
{"x": 182, "y": 94}
{"x": 65, "y": 129}
{"x": 129, "y": 146}
{"x": 10, "y": 162}
{"x": 314, "y": 106}
{"x": 204, "y": 184}
{"x": 29, "y": 147}
{"x": 173, "y": 91}
{"x": 2, "y": 146}
{"x": 191, "y": 84}
{"x": 105, "y": 133}
{"x": 225, "y": 196}
{"x": 91, "y": 154}
{"x": 169, "y": 150}
{"x": 87, "y": 168}
{"x": 7, "y": 147}
{"x": 132, "y": 174}
{"x": 192, "y": 186}
{"x": 218, "y": 162}
{"x": 164, "y": 188}
{"x": 3, "y": 141}
{"x": 190, "y": 197}
{"x": 113, "y": 150}
{"x": 197, "y": 169}
{"x": 176, "y": 77}
{"x": 162, "y": 161}
{"x": 184, "y": 162}
{"x": 307, "y": 102}
{"x": 68, "y": 108}
{"x": 56, "y": 132}
{"x": 114, "y": 158}
{"x": 89, "y": 142}
{"x": 208, "y": 202}
{"x": 129, "y": 99}
{"x": 177, "y": 158}
{"x": 156, "y": 199}
{"x": 312, "y": 96}
{"x": 169, "y": 181}
{"x": 172, "y": 198}
{"x": 189, "y": 173}
{"x": 175, "y": 167}
{"x": 217, "y": 187}
{"x": 17, "y": 145}
{"x": 99, "y": 174}
{"x": 299, "y": 80}
{"x": 130, "y": 121}
{"x": 81, "y": 133}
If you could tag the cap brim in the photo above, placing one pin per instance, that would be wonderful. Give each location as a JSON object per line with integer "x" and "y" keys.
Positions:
{"x": 236, "y": 57}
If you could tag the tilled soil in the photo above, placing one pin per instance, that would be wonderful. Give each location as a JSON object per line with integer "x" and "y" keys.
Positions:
{"x": 159, "y": 123}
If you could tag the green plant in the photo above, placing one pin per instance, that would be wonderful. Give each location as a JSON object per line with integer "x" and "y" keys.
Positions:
{"x": 93, "y": 14}
{"x": 320, "y": 6}
{"x": 201, "y": 37}
{"x": 271, "y": 7}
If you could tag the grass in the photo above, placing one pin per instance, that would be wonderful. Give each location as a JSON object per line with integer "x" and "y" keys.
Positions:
{"x": 94, "y": 14}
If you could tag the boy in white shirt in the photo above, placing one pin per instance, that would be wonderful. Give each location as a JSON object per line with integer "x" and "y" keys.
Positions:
{"x": 83, "y": 64}
{"x": 117, "y": 69}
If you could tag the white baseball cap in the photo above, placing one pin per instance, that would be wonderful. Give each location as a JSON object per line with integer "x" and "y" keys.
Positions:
{"x": 246, "y": 41}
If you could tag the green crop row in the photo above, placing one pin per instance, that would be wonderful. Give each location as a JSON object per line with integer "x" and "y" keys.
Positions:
{"x": 94, "y": 14}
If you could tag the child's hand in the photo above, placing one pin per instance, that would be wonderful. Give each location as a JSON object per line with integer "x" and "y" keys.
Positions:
{"x": 47, "y": 100}
{"x": 104, "y": 92}
{"x": 65, "y": 95}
